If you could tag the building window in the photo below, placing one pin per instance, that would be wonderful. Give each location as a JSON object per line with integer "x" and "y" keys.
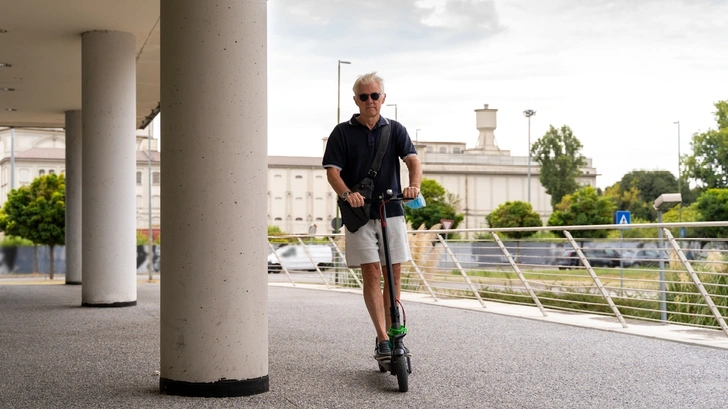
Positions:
{"x": 278, "y": 219}
{"x": 429, "y": 149}
{"x": 455, "y": 150}
{"x": 443, "y": 149}
{"x": 277, "y": 176}
{"x": 155, "y": 178}
{"x": 53, "y": 172}
{"x": 41, "y": 172}
{"x": 318, "y": 219}
{"x": 139, "y": 178}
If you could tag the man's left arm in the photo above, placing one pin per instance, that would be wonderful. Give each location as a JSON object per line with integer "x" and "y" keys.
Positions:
{"x": 415, "y": 177}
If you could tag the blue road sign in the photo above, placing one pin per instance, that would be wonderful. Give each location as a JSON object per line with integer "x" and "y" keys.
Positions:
{"x": 622, "y": 217}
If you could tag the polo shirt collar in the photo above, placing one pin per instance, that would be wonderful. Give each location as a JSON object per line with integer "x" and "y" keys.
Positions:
{"x": 382, "y": 121}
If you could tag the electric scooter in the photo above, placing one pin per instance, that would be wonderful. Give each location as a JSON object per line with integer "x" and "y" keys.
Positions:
{"x": 400, "y": 364}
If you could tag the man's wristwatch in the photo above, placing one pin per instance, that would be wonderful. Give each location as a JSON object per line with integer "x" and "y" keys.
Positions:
{"x": 345, "y": 194}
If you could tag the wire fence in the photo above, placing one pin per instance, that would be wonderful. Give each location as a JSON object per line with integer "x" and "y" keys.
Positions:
{"x": 668, "y": 279}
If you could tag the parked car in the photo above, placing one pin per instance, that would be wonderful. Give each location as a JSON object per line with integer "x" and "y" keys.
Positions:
{"x": 642, "y": 258}
{"x": 294, "y": 257}
{"x": 596, "y": 258}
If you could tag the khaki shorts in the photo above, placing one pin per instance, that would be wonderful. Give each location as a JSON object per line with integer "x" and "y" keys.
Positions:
{"x": 365, "y": 246}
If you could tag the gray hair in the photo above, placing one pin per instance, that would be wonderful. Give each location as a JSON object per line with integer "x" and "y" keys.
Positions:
{"x": 368, "y": 79}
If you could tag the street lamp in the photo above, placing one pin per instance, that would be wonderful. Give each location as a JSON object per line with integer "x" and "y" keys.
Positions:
{"x": 338, "y": 119}
{"x": 529, "y": 113}
{"x": 679, "y": 173}
{"x": 663, "y": 203}
{"x": 338, "y": 93}
{"x": 395, "y": 110}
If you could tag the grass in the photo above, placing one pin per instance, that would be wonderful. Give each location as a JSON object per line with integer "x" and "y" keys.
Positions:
{"x": 574, "y": 299}
{"x": 573, "y": 275}
{"x": 687, "y": 305}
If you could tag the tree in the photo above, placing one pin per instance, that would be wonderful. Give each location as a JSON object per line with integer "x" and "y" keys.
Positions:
{"x": 514, "y": 214}
{"x": 708, "y": 165}
{"x": 14, "y": 220}
{"x": 440, "y": 205}
{"x": 686, "y": 214}
{"x": 638, "y": 190}
{"x": 713, "y": 206}
{"x": 38, "y": 213}
{"x": 584, "y": 207}
{"x": 558, "y": 154}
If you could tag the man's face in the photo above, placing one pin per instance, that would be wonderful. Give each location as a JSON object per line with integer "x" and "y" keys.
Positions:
{"x": 370, "y": 107}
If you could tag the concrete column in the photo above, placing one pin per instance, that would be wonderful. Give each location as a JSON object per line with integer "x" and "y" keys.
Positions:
{"x": 109, "y": 166}
{"x": 73, "y": 197}
{"x": 214, "y": 313}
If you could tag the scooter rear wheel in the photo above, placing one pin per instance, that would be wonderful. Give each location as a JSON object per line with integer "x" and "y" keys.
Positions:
{"x": 400, "y": 367}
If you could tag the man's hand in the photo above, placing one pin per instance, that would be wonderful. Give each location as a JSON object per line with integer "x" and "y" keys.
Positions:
{"x": 411, "y": 192}
{"x": 355, "y": 199}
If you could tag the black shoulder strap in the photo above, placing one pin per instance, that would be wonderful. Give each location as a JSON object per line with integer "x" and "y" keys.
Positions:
{"x": 383, "y": 141}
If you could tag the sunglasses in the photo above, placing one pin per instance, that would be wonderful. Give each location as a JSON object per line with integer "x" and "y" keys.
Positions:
{"x": 375, "y": 96}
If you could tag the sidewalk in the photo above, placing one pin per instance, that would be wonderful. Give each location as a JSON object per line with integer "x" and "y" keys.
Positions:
{"x": 58, "y": 354}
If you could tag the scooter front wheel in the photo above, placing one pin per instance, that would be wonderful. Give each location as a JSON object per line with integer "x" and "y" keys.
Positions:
{"x": 401, "y": 369}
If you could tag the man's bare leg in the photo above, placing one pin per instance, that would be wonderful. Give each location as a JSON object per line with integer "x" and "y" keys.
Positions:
{"x": 373, "y": 298}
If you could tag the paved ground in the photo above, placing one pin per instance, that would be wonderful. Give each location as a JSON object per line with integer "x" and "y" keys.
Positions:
{"x": 57, "y": 354}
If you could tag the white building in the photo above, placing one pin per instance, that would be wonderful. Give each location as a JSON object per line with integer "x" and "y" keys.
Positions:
{"x": 483, "y": 178}
{"x": 29, "y": 152}
{"x": 299, "y": 194}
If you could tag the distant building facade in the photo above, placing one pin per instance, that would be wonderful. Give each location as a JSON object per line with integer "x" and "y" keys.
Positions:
{"x": 482, "y": 178}
{"x": 299, "y": 195}
{"x": 28, "y": 153}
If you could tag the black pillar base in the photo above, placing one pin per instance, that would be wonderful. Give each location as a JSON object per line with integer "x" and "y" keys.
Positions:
{"x": 73, "y": 283}
{"x": 110, "y": 305}
{"x": 226, "y": 388}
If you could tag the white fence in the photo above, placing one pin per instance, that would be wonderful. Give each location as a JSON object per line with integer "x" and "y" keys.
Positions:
{"x": 681, "y": 281}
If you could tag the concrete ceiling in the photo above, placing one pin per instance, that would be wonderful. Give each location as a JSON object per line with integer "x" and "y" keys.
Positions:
{"x": 41, "y": 39}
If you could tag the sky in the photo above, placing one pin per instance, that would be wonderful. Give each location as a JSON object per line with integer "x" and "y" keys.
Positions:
{"x": 619, "y": 73}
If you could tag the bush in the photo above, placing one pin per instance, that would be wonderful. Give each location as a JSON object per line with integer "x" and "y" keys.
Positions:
{"x": 9, "y": 241}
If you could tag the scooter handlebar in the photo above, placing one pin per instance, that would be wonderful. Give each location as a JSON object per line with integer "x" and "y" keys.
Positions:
{"x": 388, "y": 196}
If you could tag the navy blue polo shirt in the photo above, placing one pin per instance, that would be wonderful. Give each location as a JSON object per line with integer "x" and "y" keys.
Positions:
{"x": 351, "y": 148}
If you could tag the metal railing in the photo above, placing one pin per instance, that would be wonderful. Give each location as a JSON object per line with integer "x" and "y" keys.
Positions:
{"x": 678, "y": 280}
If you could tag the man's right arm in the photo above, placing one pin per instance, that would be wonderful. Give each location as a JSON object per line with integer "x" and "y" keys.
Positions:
{"x": 333, "y": 175}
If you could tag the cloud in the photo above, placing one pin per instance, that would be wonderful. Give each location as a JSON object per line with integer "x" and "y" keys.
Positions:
{"x": 381, "y": 26}
{"x": 618, "y": 72}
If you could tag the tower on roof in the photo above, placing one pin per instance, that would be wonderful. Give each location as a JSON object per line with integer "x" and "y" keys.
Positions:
{"x": 485, "y": 122}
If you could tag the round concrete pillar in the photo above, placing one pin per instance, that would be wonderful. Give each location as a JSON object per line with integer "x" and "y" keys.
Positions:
{"x": 214, "y": 316}
{"x": 109, "y": 166}
{"x": 73, "y": 197}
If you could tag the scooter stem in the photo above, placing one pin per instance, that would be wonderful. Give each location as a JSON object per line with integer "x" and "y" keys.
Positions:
{"x": 393, "y": 310}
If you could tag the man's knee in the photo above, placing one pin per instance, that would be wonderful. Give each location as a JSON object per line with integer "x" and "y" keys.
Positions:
{"x": 371, "y": 271}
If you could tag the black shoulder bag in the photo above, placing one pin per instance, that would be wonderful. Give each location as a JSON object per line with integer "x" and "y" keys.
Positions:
{"x": 355, "y": 217}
